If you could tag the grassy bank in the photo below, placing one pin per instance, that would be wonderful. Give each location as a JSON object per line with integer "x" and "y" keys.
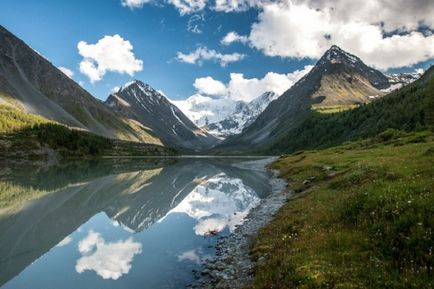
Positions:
{"x": 363, "y": 217}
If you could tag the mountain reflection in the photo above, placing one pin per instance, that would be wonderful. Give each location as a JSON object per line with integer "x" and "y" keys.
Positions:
{"x": 47, "y": 205}
{"x": 218, "y": 203}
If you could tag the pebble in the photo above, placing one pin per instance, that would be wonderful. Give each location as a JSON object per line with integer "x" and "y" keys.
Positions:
{"x": 232, "y": 266}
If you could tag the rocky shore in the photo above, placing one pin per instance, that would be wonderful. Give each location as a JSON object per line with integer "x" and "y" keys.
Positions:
{"x": 232, "y": 266}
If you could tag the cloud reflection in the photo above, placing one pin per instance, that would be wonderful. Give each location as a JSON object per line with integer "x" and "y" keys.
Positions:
{"x": 221, "y": 202}
{"x": 108, "y": 260}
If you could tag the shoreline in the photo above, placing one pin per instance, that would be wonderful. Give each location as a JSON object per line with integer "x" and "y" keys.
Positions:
{"x": 232, "y": 265}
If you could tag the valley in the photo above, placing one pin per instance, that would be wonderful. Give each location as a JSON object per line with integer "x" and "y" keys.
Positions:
{"x": 277, "y": 167}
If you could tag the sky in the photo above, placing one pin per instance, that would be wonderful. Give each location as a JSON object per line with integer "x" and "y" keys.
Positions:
{"x": 218, "y": 48}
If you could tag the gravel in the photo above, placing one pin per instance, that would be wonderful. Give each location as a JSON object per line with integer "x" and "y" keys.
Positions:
{"x": 232, "y": 266}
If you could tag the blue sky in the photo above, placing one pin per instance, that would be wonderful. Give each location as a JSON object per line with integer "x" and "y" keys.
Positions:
{"x": 158, "y": 31}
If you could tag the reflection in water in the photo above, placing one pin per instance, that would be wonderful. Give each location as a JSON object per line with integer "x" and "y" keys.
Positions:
{"x": 217, "y": 203}
{"x": 52, "y": 226}
{"x": 108, "y": 260}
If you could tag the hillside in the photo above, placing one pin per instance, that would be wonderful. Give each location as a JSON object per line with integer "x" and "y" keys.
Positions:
{"x": 408, "y": 109}
{"x": 26, "y": 137}
{"x": 33, "y": 84}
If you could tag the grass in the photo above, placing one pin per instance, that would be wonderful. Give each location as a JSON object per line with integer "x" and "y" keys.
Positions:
{"x": 363, "y": 217}
{"x": 333, "y": 108}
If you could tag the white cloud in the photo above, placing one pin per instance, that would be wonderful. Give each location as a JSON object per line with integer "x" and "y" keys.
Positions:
{"x": 239, "y": 5}
{"x": 232, "y": 37}
{"x": 183, "y": 6}
{"x": 115, "y": 89}
{"x": 303, "y": 29}
{"x": 65, "y": 241}
{"x": 134, "y": 3}
{"x": 208, "y": 85}
{"x": 188, "y": 6}
{"x": 108, "y": 260}
{"x": 247, "y": 89}
{"x": 111, "y": 53}
{"x": 203, "y": 53}
{"x": 68, "y": 72}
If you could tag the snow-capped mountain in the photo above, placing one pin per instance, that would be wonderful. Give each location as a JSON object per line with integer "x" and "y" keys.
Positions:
{"x": 398, "y": 80}
{"x": 140, "y": 102}
{"x": 204, "y": 110}
{"x": 223, "y": 117}
{"x": 244, "y": 115}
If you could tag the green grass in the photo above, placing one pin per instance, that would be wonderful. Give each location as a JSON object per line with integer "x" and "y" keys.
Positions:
{"x": 333, "y": 108}
{"x": 364, "y": 220}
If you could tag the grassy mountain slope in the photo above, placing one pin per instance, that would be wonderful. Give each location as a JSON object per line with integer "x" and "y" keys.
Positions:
{"x": 407, "y": 109}
{"x": 27, "y": 136}
{"x": 38, "y": 87}
{"x": 338, "y": 78}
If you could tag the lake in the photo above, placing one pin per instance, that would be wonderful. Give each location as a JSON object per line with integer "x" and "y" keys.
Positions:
{"x": 119, "y": 223}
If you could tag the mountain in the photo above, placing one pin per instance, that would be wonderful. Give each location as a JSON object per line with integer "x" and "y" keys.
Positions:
{"x": 137, "y": 100}
{"x": 205, "y": 110}
{"x": 244, "y": 115}
{"x": 398, "y": 80}
{"x": 31, "y": 83}
{"x": 408, "y": 109}
{"x": 338, "y": 79}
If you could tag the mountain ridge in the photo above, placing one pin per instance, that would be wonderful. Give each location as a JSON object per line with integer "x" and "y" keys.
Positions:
{"x": 142, "y": 103}
{"x": 336, "y": 70}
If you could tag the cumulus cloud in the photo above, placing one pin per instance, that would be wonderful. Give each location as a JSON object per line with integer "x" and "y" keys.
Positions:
{"x": 232, "y": 37}
{"x": 208, "y": 85}
{"x": 111, "y": 53}
{"x": 247, "y": 89}
{"x": 68, "y": 72}
{"x": 134, "y": 3}
{"x": 188, "y": 6}
{"x": 239, "y": 5}
{"x": 108, "y": 260}
{"x": 306, "y": 29}
{"x": 202, "y": 54}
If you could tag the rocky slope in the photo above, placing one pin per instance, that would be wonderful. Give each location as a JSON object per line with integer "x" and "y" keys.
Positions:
{"x": 138, "y": 101}
{"x": 31, "y": 83}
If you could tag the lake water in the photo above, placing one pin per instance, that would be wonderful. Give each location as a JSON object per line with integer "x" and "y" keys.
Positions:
{"x": 120, "y": 223}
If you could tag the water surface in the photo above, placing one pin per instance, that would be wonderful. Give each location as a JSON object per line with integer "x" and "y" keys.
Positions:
{"x": 120, "y": 223}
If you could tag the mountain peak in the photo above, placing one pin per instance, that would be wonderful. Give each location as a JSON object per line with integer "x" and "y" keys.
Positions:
{"x": 141, "y": 89}
{"x": 335, "y": 54}
{"x": 134, "y": 83}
